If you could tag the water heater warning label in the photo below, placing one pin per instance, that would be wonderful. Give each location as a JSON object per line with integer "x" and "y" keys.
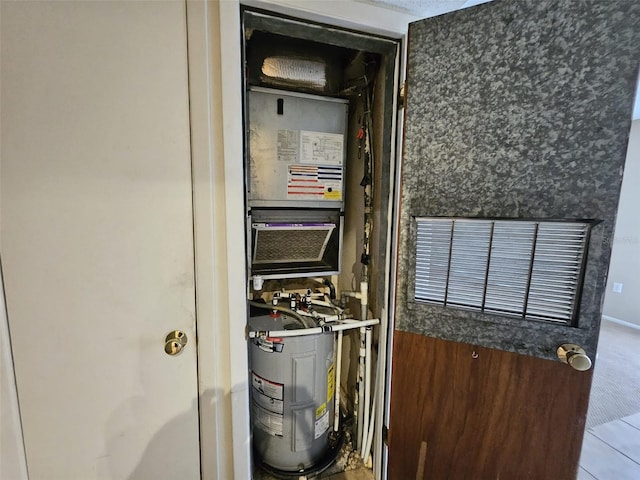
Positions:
{"x": 267, "y": 421}
{"x": 268, "y": 405}
{"x": 331, "y": 382}
{"x": 267, "y": 387}
{"x": 322, "y": 425}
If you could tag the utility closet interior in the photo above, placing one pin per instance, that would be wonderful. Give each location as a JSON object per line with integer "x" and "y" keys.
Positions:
{"x": 320, "y": 109}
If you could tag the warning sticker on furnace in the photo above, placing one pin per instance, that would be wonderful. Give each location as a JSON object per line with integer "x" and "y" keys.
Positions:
{"x": 314, "y": 182}
{"x": 287, "y": 145}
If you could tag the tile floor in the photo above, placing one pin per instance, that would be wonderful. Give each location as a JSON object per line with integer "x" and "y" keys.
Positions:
{"x": 611, "y": 451}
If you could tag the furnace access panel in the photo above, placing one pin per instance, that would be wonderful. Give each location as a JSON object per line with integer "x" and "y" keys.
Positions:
{"x": 297, "y": 149}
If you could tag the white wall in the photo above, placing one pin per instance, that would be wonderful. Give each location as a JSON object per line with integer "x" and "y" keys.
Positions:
{"x": 625, "y": 257}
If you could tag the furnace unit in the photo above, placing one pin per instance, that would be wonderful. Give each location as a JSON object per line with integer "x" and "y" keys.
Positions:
{"x": 295, "y": 183}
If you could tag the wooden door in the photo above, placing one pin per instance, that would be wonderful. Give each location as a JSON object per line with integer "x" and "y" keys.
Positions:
{"x": 518, "y": 111}
{"x": 97, "y": 245}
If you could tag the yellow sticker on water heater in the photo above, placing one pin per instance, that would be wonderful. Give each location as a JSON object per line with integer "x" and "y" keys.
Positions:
{"x": 331, "y": 382}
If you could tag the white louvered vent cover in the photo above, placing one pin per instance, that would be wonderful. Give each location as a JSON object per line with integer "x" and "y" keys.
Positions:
{"x": 531, "y": 269}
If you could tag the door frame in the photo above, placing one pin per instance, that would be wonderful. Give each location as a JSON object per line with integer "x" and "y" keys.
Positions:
{"x": 217, "y": 149}
{"x": 213, "y": 32}
{"x": 12, "y": 456}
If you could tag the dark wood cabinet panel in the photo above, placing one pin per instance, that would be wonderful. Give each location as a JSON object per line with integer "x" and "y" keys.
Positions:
{"x": 453, "y": 404}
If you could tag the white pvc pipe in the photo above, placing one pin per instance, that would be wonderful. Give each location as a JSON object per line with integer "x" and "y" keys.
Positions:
{"x": 336, "y": 413}
{"x": 376, "y": 394}
{"x": 325, "y": 304}
{"x": 367, "y": 447}
{"x": 334, "y": 327}
{"x": 320, "y": 316}
{"x": 363, "y": 295}
{"x": 367, "y": 391}
{"x": 361, "y": 387}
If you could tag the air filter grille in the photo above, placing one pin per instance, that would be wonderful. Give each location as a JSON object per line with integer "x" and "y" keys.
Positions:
{"x": 288, "y": 243}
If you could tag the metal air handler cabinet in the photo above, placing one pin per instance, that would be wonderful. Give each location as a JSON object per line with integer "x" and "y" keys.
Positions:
{"x": 295, "y": 182}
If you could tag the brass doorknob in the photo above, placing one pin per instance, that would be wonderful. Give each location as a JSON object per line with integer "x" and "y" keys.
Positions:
{"x": 575, "y": 356}
{"x": 174, "y": 342}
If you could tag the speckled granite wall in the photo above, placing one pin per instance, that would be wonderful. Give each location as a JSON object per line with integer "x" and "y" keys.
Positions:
{"x": 518, "y": 109}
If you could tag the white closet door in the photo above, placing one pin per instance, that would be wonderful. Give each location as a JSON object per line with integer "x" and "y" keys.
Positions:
{"x": 97, "y": 243}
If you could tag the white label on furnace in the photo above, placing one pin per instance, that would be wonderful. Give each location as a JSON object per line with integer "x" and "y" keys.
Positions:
{"x": 287, "y": 145}
{"x": 267, "y": 387}
{"x": 322, "y": 425}
{"x": 267, "y": 421}
{"x": 318, "y": 147}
